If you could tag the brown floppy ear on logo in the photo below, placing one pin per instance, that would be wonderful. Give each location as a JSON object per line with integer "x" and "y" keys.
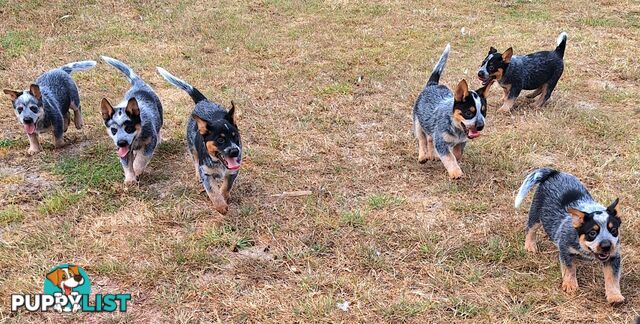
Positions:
{"x": 55, "y": 276}
{"x": 74, "y": 270}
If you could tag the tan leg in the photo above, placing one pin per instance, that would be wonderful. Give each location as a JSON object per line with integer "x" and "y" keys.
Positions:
{"x": 422, "y": 142}
{"x": 140, "y": 163}
{"x": 507, "y": 105}
{"x": 225, "y": 188}
{"x": 67, "y": 120}
{"x": 218, "y": 200}
{"x": 541, "y": 100}
{"x": 58, "y": 142}
{"x": 159, "y": 138}
{"x": 530, "y": 239}
{"x": 569, "y": 280}
{"x": 506, "y": 92}
{"x": 431, "y": 150}
{"x": 612, "y": 285}
{"x": 77, "y": 116}
{"x": 535, "y": 93}
{"x": 34, "y": 144}
{"x": 457, "y": 151}
{"x": 451, "y": 164}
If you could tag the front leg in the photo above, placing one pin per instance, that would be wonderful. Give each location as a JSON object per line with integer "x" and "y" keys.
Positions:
{"x": 514, "y": 92}
{"x": 611, "y": 270}
{"x": 143, "y": 157}
{"x": 34, "y": 144}
{"x": 448, "y": 159}
{"x": 227, "y": 183}
{"x": 58, "y": 133}
{"x": 214, "y": 193}
{"x": 568, "y": 270}
{"x": 458, "y": 150}
{"x": 127, "y": 167}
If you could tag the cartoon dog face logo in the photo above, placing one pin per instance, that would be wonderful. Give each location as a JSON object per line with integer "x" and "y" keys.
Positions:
{"x": 66, "y": 278}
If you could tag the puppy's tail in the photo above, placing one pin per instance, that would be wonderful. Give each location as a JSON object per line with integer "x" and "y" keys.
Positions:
{"x": 439, "y": 67}
{"x": 196, "y": 95}
{"x": 536, "y": 177}
{"x": 126, "y": 70}
{"x": 78, "y": 66}
{"x": 561, "y": 43}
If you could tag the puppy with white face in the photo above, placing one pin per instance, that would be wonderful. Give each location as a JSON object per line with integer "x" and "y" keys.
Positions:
{"x": 47, "y": 104}
{"x": 133, "y": 124}
{"x": 577, "y": 224}
{"x": 66, "y": 278}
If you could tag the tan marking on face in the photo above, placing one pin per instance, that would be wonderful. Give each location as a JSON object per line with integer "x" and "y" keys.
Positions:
{"x": 596, "y": 228}
{"x": 498, "y": 74}
{"x": 473, "y": 109}
{"x": 457, "y": 116}
{"x": 211, "y": 148}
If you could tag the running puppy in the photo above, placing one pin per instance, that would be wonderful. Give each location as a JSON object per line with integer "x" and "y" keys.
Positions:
{"x": 213, "y": 140}
{"x": 538, "y": 71}
{"x": 444, "y": 121}
{"x": 47, "y": 102}
{"x": 133, "y": 124}
{"x": 577, "y": 225}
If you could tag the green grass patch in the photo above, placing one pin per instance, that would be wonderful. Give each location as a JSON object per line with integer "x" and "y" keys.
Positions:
{"x": 464, "y": 309}
{"x": 468, "y": 207}
{"x": 404, "y": 310}
{"x": 381, "y": 201}
{"x": 598, "y": 22}
{"x": 10, "y": 143}
{"x": 60, "y": 202}
{"x": 353, "y": 218}
{"x": 98, "y": 166}
{"x": 338, "y": 88}
{"x": 11, "y": 214}
{"x": 16, "y": 43}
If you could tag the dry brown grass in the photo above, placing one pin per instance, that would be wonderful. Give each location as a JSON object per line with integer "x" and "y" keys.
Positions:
{"x": 396, "y": 239}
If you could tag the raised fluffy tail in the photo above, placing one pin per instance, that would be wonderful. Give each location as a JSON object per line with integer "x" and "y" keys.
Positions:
{"x": 196, "y": 95}
{"x": 536, "y": 177}
{"x": 126, "y": 70}
{"x": 561, "y": 43}
{"x": 439, "y": 67}
{"x": 78, "y": 66}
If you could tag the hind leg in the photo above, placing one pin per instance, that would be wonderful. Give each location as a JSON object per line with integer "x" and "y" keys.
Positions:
{"x": 77, "y": 115}
{"x": 548, "y": 90}
{"x": 422, "y": 142}
{"x": 530, "y": 237}
{"x": 67, "y": 120}
{"x": 536, "y": 92}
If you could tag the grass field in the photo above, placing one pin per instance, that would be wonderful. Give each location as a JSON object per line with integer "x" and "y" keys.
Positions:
{"x": 397, "y": 240}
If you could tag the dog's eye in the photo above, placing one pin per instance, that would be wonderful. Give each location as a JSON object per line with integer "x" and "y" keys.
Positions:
{"x": 220, "y": 140}
{"x": 129, "y": 129}
{"x": 19, "y": 109}
{"x": 114, "y": 131}
{"x": 614, "y": 231}
{"x": 592, "y": 234}
{"x": 468, "y": 114}
{"x": 34, "y": 109}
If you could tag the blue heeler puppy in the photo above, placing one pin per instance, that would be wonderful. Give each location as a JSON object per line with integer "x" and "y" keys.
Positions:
{"x": 213, "y": 139}
{"x": 577, "y": 225}
{"x": 443, "y": 121}
{"x": 133, "y": 124}
{"x": 47, "y": 102}
{"x": 538, "y": 71}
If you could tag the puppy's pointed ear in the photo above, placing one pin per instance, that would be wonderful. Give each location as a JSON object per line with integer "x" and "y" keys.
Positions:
{"x": 506, "y": 56}
{"x": 201, "y": 123}
{"x": 74, "y": 269}
{"x": 132, "y": 107}
{"x": 613, "y": 208}
{"x": 492, "y": 50}
{"x": 106, "y": 109}
{"x": 12, "y": 94}
{"x": 231, "y": 114}
{"x": 55, "y": 276}
{"x": 462, "y": 90}
{"x": 577, "y": 217}
{"x": 484, "y": 91}
{"x": 35, "y": 91}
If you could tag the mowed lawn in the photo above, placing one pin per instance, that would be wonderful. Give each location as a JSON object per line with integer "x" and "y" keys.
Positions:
{"x": 324, "y": 92}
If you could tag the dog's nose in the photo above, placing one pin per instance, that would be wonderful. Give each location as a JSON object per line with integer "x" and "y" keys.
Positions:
{"x": 28, "y": 120}
{"x": 233, "y": 152}
{"x": 122, "y": 143}
{"x": 480, "y": 74}
{"x": 479, "y": 126}
{"x": 77, "y": 278}
{"x": 605, "y": 246}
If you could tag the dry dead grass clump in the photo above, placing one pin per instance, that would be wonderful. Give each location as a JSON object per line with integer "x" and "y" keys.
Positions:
{"x": 324, "y": 92}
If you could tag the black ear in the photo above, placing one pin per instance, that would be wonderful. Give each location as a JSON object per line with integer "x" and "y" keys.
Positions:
{"x": 492, "y": 50}
{"x": 231, "y": 114}
{"x": 484, "y": 91}
{"x": 613, "y": 208}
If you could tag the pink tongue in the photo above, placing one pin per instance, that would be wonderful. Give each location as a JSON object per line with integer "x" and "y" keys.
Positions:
{"x": 232, "y": 163}
{"x": 67, "y": 290}
{"x": 473, "y": 134}
{"x": 122, "y": 151}
{"x": 29, "y": 128}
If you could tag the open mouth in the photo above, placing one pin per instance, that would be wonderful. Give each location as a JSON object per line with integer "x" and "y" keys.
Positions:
{"x": 471, "y": 133}
{"x": 230, "y": 163}
{"x": 485, "y": 81}
{"x": 123, "y": 151}
{"x": 67, "y": 290}
{"x": 30, "y": 128}
{"x": 602, "y": 256}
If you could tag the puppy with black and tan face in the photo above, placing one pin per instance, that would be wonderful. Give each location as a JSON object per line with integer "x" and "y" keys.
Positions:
{"x": 213, "y": 140}
{"x": 47, "y": 104}
{"x": 577, "y": 224}
{"x": 539, "y": 71}
{"x": 443, "y": 121}
{"x": 133, "y": 124}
